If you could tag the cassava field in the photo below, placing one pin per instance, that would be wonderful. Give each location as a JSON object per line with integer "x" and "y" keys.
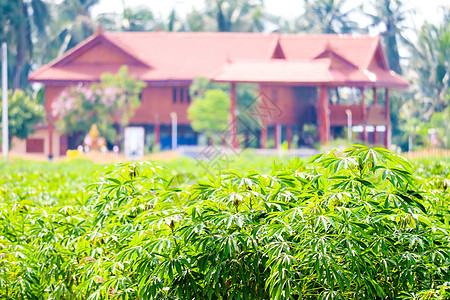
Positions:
{"x": 362, "y": 224}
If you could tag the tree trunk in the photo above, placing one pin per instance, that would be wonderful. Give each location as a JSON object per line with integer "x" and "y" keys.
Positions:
{"x": 391, "y": 42}
{"x": 24, "y": 44}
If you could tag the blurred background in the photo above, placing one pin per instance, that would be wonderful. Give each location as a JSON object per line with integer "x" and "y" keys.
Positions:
{"x": 415, "y": 36}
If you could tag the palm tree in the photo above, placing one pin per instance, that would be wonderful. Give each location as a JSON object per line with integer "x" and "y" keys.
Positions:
{"x": 238, "y": 15}
{"x": 73, "y": 24}
{"x": 131, "y": 19}
{"x": 198, "y": 21}
{"x": 431, "y": 62}
{"x": 390, "y": 15}
{"x": 326, "y": 16}
{"x": 20, "y": 20}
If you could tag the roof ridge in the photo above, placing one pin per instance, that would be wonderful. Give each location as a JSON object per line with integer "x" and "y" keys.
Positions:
{"x": 193, "y": 33}
{"x": 265, "y": 34}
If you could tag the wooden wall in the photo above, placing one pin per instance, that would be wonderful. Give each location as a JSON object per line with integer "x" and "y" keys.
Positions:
{"x": 160, "y": 101}
{"x": 296, "y": 105}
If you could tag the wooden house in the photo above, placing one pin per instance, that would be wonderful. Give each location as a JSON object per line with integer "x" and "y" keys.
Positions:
{"x": 301, "y": 74}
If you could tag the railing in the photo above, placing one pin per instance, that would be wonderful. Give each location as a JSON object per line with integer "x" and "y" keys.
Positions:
{"x": 96, "y": 156}
{"x": 434, "y": 152}
{"x": 209, "y": 152}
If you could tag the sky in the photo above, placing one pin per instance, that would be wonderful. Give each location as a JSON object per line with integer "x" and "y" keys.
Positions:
{"x": 424, "y": 9}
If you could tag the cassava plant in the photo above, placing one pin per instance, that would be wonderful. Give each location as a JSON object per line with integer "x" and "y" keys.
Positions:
{"x": 354, "y": 226}
{"x": 360, "y": 224}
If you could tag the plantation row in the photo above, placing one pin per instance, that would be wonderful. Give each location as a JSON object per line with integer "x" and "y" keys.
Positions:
{"x": 360, "y": 225}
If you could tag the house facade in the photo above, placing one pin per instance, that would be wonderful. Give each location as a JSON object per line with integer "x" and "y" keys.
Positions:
{"x": 303, "y": 76}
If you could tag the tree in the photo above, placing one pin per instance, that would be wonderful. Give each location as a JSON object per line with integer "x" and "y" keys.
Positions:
{"x": 131, "y": 19}
{"x": 73, "y": 23}
{"x": 210, "y": 112}
{"x": 423, "y": 110}
{"x": 431, "y": 63}
{"x": 438, "y": 126}
{"x": 114, "y": 99}
{"x": 127, "y": 99}
{"x": 237, "y": 15}
{"x": 326, "y": 16}
{"x": 198, "y": 21}
{"x": 18, "y": 22}
{"x": 390, "y": 15}
{"x": 246, "y": 106}
{"x": 23, "y": 114}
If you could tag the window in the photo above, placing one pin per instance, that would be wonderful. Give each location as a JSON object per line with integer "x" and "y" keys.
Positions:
{"x": 174, "y": 95}
{"x": 35, "y": 146}
{"x": 181, "y": 94}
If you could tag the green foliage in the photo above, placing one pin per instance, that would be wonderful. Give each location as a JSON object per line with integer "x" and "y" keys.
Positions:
{"x": 439, "y": 124}
{"x": 247, "y": 99}
{"x": 327, "y": 16}
{"x": 235, "y": 15}
{"x": 127, "y": 94}
{"x": 23, "y": 114}
{"x": 71, "y": 24}
{"x": 210, "y": 112}
{"x": 413, "y": 113}
{"x": 431, "y": 62}
{"x": 133, "y": 19}
{"x": 201, "y": 84}
{"x": 20, "y": 23}
{"x": 353, "y": 225}
{"x": 115, "y": 97}
{"x": 391, "y": 14}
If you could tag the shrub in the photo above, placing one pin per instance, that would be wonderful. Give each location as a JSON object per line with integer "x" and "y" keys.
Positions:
{"x": 356, "y": 225}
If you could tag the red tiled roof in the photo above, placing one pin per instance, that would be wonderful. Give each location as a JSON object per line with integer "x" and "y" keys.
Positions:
{"x": 86, "y": 72}
{"x": 279, "y": 70}
{"x": 164, "y": 56}
{"x": 306, "y": 72}
{"x": 357, "y": 49}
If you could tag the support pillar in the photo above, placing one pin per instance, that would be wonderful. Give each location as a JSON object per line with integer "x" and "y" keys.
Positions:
{"x": 364, "y": 116}
{"x": 157, "y": 131}
{"x": 63, "y": 144}
{"x": 264, "y": 137}
{"x": 174, "y": 117}
{"x": 323, "y": 117}
{"x": 276, "y": 136}
{"x": 375, "y": 103}
{"x": 247, "y": 140}
{"x": 48, "y": 112}
{"x": 233, "y": 133}
{"x": 289, "y": 135}
{"x": 388, "y": 119}
{"x": 50, "y": 137}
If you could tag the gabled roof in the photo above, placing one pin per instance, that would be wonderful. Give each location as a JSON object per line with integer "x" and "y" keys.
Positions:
{"x": 72, "y": 56}
{"x": 182, "y": 56}
{"x": 337, "y": 60}
{"x": 277, "y": 51}
{"x": 356, "y": 49}
{"x": 378, "y": 59}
